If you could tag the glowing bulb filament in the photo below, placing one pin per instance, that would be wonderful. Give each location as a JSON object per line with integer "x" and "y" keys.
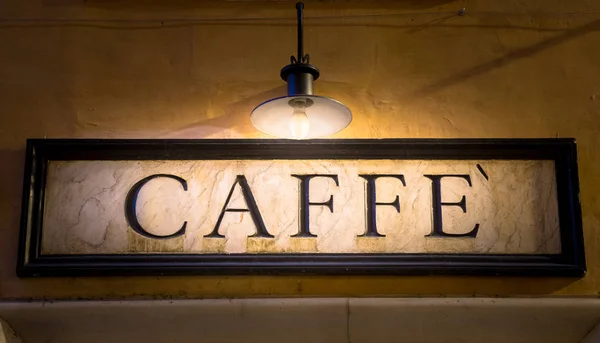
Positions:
{"x": 299, "y": 124}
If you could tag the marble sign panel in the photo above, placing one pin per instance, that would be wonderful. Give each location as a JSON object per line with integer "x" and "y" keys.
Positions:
{"x": 416, "y": 206}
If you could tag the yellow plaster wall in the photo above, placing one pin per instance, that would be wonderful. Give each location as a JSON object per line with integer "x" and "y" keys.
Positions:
{"x": 142, "y": 69}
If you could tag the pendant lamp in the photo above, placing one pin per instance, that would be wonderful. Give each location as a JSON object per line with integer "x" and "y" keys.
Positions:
{"x": 300, "y": 114}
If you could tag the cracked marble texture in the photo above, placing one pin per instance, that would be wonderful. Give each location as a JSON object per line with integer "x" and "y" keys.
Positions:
{"x": 514, "y": 203}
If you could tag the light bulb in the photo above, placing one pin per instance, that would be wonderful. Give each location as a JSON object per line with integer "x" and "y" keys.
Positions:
{"x": 299, "y": 124}
{"x": 325, "y": 117}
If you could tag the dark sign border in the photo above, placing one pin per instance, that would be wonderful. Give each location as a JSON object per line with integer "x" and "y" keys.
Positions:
{"x": 569, "y": 263}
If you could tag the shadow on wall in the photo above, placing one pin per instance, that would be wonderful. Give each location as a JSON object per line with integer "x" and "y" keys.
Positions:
{"x": 508, "y": 58}
{"x": 233, "y": 123}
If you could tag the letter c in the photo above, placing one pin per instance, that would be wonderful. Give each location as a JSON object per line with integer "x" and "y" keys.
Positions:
{"x": 130, "y": 205}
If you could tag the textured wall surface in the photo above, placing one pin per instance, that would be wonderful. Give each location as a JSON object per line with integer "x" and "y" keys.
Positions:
{"x": 411, "y": 69}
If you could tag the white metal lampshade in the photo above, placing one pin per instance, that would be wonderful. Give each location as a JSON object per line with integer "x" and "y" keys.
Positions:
{"x": 290, "y": 117}
{"x": 300, "y": 114}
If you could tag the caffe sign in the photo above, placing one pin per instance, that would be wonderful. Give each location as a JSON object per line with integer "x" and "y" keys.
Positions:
{"x": 149, "y": 207}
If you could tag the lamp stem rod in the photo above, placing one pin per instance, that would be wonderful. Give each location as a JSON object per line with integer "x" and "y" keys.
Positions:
{"x": 299, "y": 8}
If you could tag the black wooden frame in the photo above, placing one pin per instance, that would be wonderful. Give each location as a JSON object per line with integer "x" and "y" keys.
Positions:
{"x": 570, "y": 262}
